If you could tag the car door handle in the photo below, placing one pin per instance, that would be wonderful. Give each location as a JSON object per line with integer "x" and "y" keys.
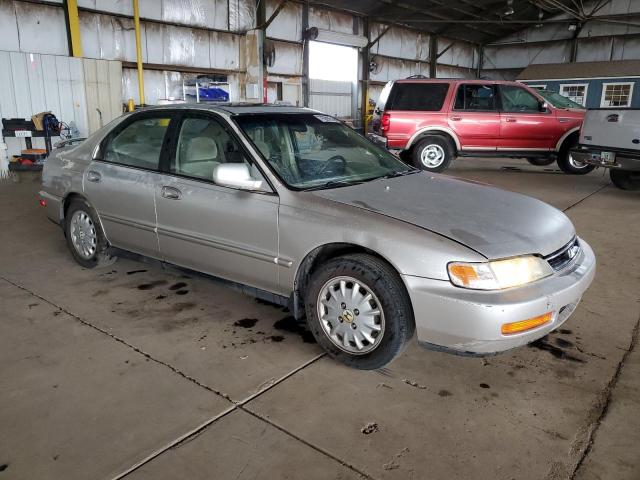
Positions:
{"x": 171, "y": 193}
{"x": 93, "y": 176}
{"x": 510, "y": 119}
{"x": 456, "y": 119}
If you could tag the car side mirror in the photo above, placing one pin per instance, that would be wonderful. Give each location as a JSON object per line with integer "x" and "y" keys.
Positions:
{"x": 235, "y": 175}
{"x": 544, "y": 106}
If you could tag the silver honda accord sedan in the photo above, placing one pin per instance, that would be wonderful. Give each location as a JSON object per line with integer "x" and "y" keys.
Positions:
{"x": 300, "y": 210}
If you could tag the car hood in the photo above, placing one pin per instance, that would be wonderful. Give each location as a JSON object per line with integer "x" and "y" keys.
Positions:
{"x": 493, "y": 222}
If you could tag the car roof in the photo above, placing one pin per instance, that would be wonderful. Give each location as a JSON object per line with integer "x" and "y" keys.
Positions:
{"x": 233, "y": 108}
{"x": 455, "y": 80}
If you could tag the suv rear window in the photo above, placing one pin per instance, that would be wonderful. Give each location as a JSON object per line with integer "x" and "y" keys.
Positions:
{"x": 426, "y": 97}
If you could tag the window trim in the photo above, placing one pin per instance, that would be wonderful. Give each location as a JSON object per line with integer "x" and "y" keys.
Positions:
{"x": 170, "y": 158}
{"x": 604, "y": 90}
{"x": 586, "y": 91}
{"x": 535, "y": 86}
{"x": 133, "y": 118}
{"x": 497, "y": 102}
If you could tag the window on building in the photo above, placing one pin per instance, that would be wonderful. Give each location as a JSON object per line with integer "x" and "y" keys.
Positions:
{"x": 538, "y": 86}
{"x": 616, "y": 95}
{"x": 575, "y": 92}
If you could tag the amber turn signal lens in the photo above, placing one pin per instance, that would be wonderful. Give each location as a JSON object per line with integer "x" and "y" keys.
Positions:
{"x": 464, "y": 273}
{"x": 524, "y": 325}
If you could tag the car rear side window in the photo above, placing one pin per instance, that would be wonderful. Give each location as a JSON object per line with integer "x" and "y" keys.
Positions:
{"x": 203, "y": 144}
{"x": 474, "y": 96}
{"x": 422, "y": 96}
{"x": 139, "y": 144}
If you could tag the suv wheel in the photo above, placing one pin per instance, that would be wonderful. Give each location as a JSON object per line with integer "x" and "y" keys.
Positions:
{"x": 84, "y": 236}
{"x": 358, "y": 310}
{"x": 625, "y": 179}
{"x": 570, "y": 165}
{"x": 433, "y": 153}
{"x": 540, "y": 161}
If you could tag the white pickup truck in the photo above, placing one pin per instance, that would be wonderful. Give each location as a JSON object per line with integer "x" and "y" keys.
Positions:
{"x": 610, "y": 138}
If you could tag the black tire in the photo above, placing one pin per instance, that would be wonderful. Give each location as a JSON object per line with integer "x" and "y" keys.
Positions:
{"x": 625, "y": 179}
{"x": 438, "y": 145}
{"x": 565, "y": 162}
{"x": 384, "y": 282}
{"x": 541, "y": 161}
{"x": 100, "y": 257}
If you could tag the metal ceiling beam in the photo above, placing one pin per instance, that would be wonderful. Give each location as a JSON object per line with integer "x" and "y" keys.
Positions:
{"x": 411, "y": 8}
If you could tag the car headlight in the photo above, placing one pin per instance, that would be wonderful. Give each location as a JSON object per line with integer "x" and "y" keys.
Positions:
{"x": 499, "y": 274}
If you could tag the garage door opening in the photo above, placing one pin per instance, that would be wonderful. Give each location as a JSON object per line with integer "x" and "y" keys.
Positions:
{"x": 333, "y": 73}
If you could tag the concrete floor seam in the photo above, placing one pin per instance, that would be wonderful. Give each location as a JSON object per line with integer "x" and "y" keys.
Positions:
{"x": 606, "y": 400}
{"x": 118, "y": 339}
{"x": 308, "y": 444}
{"x": 174, "y": 443}
{"x": 192, "y": 434}
{"x": 584, "y": 198}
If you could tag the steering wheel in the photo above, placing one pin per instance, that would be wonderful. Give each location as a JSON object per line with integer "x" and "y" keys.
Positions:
{"x": 333, "y": 160}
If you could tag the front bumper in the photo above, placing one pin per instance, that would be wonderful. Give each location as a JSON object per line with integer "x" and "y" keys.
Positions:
{"x": 469, "y": 321}
{"x": 624, "y": 160}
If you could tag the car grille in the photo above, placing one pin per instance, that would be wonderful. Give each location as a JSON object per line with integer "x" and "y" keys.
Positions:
{"x": 563, "y": 257}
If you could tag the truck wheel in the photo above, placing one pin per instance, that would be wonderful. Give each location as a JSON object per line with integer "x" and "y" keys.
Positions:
{"x": 359, "y": 311}
{"x": 625, "y": 179}
{"x": 570, "y": 165}
{"x": 433, "y": 153}
{"x": 540, "y": 161}
{"x": 84, "y": 236}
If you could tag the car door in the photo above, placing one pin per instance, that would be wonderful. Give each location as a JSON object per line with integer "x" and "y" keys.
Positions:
{"x": 523, "y": 124}
{"x": 474, "y": 117}
{"x": 227, "y": 232}
{"x": 120, "y": 181}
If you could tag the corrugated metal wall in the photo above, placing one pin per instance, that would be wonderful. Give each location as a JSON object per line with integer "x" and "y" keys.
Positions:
{"x": 73, "y": 89}
{"x": 209, "y": 35}
{"x": 551, "y": 43}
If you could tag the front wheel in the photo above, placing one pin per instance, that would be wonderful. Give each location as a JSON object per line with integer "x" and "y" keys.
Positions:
{"x": 568, "y": 164}
{"x": 433, "y": 153}
{"x": 540, "y": 161}
{"x": 625, "y": 179}
{"x": 358, "y": 310}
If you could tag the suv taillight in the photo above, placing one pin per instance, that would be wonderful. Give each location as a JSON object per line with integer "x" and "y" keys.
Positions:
{"x": 385, "y": 122}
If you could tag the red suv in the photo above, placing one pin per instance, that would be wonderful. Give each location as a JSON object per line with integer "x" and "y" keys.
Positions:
{"x": 432, "y": 121}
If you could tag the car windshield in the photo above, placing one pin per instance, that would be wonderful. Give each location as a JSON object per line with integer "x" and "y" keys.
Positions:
{"x": 558, "y": 100}
{"x": 312, "y": 151}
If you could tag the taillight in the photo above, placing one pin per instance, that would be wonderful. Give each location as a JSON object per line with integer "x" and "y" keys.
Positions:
{"x": 385, "y": 122}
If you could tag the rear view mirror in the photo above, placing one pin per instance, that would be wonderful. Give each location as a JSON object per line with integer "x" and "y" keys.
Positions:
{"x": 544, "y": 106}
{"x": 235, "y": 175}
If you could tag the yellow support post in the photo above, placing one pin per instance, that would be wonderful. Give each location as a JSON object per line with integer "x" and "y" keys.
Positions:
{"x": 136, "y": 22}
{"x": 74, "y": 27}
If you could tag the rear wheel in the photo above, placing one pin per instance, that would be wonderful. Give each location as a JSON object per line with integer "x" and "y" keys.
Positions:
{"x": 566, "y": 161}
{"x": 359, "y": 311}
{"x": 540, "y": 161}
{"x": 84, "y": 235}
{"x": 433, "y": 153}
{"x": 625, "y": 179}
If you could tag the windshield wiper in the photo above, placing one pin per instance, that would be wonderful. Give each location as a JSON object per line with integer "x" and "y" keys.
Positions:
{"x": 332, "y": 184}
{"x": 398, "y": 174}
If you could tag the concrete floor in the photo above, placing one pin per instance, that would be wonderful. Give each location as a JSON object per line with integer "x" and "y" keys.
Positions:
{"x": 145, "y": 373}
